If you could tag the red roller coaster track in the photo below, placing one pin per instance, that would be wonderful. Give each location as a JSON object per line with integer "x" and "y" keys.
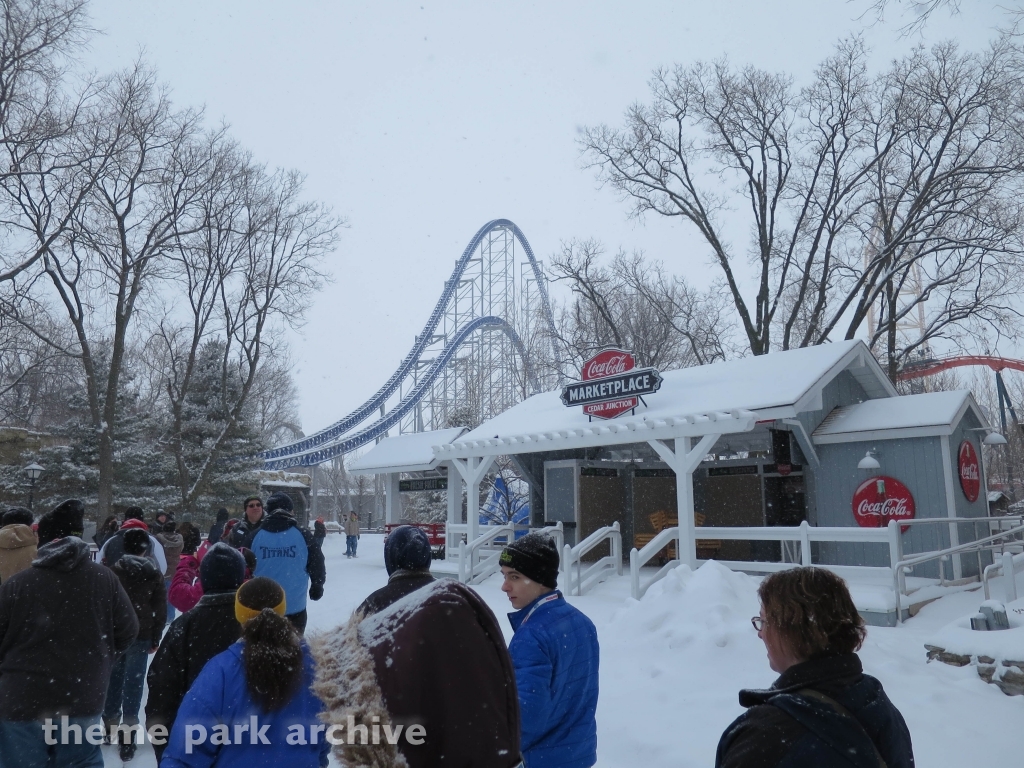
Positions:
{"x": 929, "y": 367}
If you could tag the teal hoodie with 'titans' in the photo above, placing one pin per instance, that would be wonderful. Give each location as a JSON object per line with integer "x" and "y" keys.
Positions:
{"x": 287, "y": 554}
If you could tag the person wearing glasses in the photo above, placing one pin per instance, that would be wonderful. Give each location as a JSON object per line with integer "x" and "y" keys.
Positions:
{"x": 822, "y": 710}
{"x": 252, "y": 519}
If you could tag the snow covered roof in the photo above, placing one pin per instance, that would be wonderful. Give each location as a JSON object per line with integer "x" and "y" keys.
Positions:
{"x": 931, "y": 413}
{"x": 404, "y": 453}
{"x": 725, "y": 397}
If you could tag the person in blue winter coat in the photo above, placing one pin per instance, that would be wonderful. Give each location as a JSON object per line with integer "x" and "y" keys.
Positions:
{"x": 251, "y": 706}
{"x": 287, "y": 554}
{"x": 555, "y": 654}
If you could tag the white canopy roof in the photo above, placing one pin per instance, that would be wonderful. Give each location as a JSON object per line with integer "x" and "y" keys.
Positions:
{"x": 931, "y": 413}
{"x": 721, "y": 398}
{"x": 404, "y": 453}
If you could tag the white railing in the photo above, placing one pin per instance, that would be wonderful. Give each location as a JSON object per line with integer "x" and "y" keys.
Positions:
{"x": 579, "y": 580}
{"x": 1008, "y": 566}
{"x": 989, "y": 543}
{"x": 454, "y": 534}
{"x": 474, "y": 566}
{"x": 803, "y": 534}
{"x": 556, "y": 532}
{"x": 638, "y": 558}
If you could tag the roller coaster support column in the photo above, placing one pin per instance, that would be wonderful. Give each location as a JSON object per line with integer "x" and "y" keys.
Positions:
{"x": 473, "y": 471}
{"x": 392, "y": 499}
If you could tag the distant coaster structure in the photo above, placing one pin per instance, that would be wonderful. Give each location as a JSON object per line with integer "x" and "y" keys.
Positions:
{"x": 489, "y": 343}
{"x": 931, "y": 366}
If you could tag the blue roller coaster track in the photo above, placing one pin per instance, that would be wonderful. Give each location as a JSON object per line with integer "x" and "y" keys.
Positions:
{"x": 335, "y": 440}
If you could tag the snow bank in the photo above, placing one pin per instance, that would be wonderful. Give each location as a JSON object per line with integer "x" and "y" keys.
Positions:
{"x": 672, "y": 664}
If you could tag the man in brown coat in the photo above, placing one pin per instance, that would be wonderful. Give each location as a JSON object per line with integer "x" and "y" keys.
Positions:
{"x": 17, "y": 542}
{"x": 433, "y": 663}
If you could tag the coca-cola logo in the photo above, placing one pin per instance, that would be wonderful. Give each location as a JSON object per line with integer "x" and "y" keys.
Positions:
{"x": 881, "y": 499}
{"x": 608, "y": 362}
{"x": 970, "y": 471}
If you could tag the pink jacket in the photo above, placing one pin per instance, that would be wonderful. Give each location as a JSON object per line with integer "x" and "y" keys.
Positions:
{"x": 186, "y": 589}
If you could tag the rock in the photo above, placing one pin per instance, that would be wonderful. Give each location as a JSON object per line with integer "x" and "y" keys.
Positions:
{"x": 1011, "y": 681}
{"x": 1008, "y": 675}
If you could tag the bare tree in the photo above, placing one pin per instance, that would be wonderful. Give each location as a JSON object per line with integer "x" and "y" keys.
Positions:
{"x": 247, "y": 273}
{"x": 928, "y": 153}
{"x": 37, "y": 116}
{"x": 137, "y": 197}
{"x": 633, "y": 304}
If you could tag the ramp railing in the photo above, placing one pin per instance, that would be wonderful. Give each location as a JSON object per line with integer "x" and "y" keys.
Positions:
{"x": 478, "y": 559}
{"x": 579, "y": 580}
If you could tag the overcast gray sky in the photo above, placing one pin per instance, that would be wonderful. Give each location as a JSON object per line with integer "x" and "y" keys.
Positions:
{"x": 420, "y": 121}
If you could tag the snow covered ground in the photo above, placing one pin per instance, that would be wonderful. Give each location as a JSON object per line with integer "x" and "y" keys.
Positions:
{"x": 671, "y": 666}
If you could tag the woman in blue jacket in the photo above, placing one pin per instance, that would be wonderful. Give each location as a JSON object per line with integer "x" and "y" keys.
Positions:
{"x": 251, "y": 705}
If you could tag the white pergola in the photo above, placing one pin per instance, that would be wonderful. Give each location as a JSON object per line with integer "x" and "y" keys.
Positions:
{"x": 671, "y": 437}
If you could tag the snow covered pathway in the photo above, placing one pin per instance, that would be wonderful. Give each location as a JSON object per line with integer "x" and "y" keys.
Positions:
{"x": 671, "y": 666}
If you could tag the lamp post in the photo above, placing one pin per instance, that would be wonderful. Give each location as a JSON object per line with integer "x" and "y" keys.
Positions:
{"x": 33, "y": 471}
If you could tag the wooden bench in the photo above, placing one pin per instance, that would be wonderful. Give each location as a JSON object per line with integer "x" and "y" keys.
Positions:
{"x": 660, "y": 520}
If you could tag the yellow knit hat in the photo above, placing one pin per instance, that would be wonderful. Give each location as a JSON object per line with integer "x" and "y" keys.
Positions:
{"x": 255, "y": 595}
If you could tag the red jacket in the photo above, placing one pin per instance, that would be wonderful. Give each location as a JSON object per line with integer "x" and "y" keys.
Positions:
{"x": 186, "y": 589}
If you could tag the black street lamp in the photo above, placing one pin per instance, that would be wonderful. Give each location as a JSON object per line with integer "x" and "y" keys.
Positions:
{"x": 33, "y": 471}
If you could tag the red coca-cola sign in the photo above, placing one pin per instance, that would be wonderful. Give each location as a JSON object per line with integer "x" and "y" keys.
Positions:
{"x": 881, "y": 499}
{"x": 609, "y": 362}
{"x": 970, "y": 471}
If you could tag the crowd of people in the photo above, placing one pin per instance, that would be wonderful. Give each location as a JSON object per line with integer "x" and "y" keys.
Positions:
{"x": 419, "y": 676}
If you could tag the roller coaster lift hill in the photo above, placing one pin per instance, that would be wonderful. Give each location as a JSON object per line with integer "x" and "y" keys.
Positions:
{"x": 489, "y": 339}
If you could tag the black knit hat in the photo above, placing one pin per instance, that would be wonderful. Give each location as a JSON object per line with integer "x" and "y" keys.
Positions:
{"x": 407, "y": 549}
{"x": 277, "y": 501}
{"x": 222, "y": 569}
{"x": 16, "y": 516}
{"x": 136, "y": 541}
{"x": 66, "y": 519}
{"x": 535, "y": 556}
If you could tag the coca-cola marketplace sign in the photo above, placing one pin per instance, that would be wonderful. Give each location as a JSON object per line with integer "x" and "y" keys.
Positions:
{"x": 611, "y": 384}
{"x": 970, "y": 471}
{"x": 881, "y": 499}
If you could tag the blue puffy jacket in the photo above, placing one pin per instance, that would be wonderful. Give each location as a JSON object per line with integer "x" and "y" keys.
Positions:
{"x": 219, "y": 696}
{"x": 555, "y": 654}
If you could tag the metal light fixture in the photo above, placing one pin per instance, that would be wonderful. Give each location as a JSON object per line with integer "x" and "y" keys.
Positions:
{"x": 991, "y": 436}
{"x": 869, "y": 461}
{"x": 32, "y": 471}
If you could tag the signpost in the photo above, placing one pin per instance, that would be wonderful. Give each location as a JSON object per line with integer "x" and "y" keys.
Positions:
{"x": 611, "y": 384}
